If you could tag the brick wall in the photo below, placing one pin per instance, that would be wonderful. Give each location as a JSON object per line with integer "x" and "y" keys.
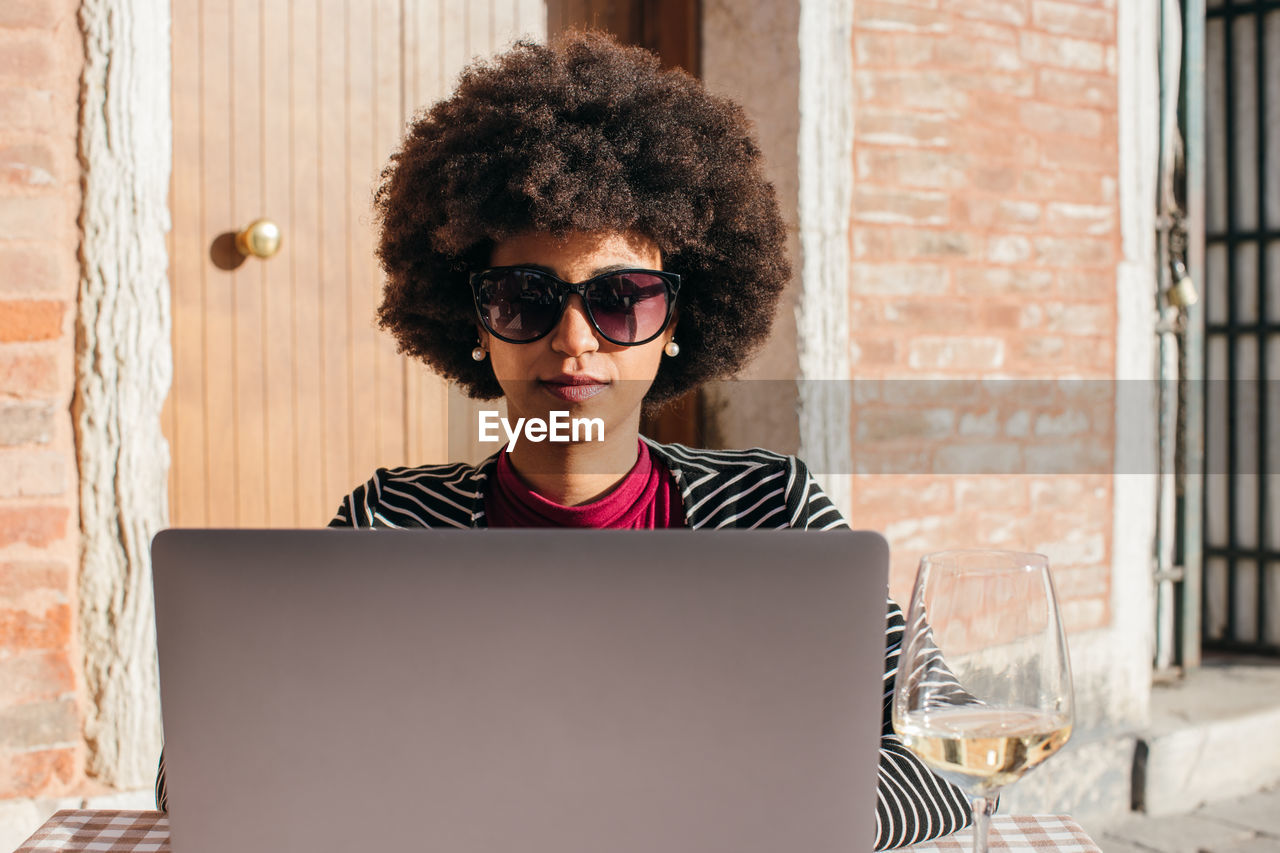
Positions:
{"x": 985, "y": 241}
{"x": 41, "y": 56}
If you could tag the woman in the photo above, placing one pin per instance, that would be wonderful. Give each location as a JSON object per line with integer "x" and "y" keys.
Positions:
{"x": 576, "y": 230}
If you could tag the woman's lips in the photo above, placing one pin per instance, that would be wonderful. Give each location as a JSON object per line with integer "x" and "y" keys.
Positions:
{"x": 574, "y": 389}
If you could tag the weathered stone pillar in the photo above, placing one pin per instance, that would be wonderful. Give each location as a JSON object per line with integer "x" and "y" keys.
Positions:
{"x": 123, "y": 370}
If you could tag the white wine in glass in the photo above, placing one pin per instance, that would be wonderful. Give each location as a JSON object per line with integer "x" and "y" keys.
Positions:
{"x": 983, "y": 692}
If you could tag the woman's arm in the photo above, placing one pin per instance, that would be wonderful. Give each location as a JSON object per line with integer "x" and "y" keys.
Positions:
{"x": 912, "y": 804}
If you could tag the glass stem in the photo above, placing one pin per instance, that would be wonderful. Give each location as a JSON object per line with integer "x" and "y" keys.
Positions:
{"x": 983, "y": 808}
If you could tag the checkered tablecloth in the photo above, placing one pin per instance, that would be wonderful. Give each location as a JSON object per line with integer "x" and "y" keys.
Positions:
{"x": 148, "y": 832}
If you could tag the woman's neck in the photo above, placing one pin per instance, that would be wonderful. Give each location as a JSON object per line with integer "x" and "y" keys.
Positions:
{"x": 578, "y": 473}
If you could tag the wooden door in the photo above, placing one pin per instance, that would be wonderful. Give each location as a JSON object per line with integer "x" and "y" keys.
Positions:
{"x": 285, "y": 394}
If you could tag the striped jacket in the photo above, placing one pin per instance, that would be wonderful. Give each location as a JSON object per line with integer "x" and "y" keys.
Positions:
{"x": 720, "y": 489}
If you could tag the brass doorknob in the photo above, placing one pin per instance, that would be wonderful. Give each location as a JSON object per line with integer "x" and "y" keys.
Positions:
{"x": 260, "y": 238}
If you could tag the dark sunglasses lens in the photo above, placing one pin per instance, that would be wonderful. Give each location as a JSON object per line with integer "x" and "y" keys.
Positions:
{"x": 518, "y": 305}
{"x": 629, "y": 307}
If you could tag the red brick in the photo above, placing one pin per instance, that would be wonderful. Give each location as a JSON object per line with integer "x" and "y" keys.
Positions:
{"x": 898, "y": 279}
{"x": 21, "y": 630}
{"x": 30, "y": 320}
{"x": 26, "y": 109}
{"x": 1085, "y": 615}
{"x": 18, "y": 578}
{"x": 956, "y": 353}
{"x": 873, "y": 15}
{"x": 1057, "y": 120}
{"x": 912, "y": 425}
{"x": 1071, "y": 20}
{"x": 916, "y": 90}
{"x": 1087, "y": 285}
{"x": 873, "y": 351}
{"x": 912, "y": 243}
{"x": 905, "y": 495}
{"x": 47, "y": 772}
{"x": 896, "y": 50}
{"x": 1081, "y": 218}
{"x": 928, "y": 315}
{"x": 1008, "y": 249}
{"x": 993, "y": 143}
{"x": 27, "y": 165}
{"x": 1075, "y": 252}
{"x": 39, "y": 14}
{"x": 32, "y": 217}
{"x": 914, "y": 168}
{"x": 27, "y": 55}
{"x": 1062, "y": 52}
{"x": 1066, "y": 187}
{"x": 26, "y": 423}
{"x": 962, "y": 52}
{"x": 1001, "y": 281}
{"x": 917, "y": 130}
{"x": 25, "y": 373}
{"x": 1076, "y": 89}
{"x": 997, "y": 11}
{"x": 1073, "y": 584}
{"x": 885, "y": 205}
{"x": 38, "y": 725}
{"x": 975, "y": 30}
{"x": 1012, "y": 83}
{"x": 37, "y": 526}
{"x": 987, "y": 493}
{"x": 986, "y": 212}
{"x": 1070, "y": 152}
{"x": 27, "y": 473}
{"x": 34, "y": 270}
{"x": 979, "y": 458}
{"x": 993, "y": 178}
{"x": 35, "y": 677}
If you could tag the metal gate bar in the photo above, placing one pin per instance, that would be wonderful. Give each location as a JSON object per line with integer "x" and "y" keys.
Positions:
{"x": 1263, "y": 553}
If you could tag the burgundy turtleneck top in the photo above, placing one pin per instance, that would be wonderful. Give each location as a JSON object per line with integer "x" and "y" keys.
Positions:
{"x": 646, "y": 499}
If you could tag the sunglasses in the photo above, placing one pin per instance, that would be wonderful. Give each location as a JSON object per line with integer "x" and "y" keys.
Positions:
{"x": 626, "y": 307}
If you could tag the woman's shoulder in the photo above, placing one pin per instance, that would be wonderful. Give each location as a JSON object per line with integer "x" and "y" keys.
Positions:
{"x": 746, "y": 488}
{"x": 448, "y": 494}
{"x": 682, "y": 456}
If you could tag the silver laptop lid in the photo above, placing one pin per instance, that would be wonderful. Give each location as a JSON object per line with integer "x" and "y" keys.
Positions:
{"x": 533, "y": 691}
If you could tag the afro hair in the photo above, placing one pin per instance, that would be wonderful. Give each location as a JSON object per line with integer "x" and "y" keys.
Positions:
{"x": 583, "y": 134}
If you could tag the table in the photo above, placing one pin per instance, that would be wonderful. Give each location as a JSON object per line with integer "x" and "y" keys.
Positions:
{"x": 148, "y": 832}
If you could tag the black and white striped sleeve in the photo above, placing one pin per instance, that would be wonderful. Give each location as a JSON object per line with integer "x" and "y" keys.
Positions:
{"x": 912, "y": 804}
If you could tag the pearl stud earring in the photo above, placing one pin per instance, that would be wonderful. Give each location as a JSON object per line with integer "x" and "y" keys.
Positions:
{"x": 672, "y": 349}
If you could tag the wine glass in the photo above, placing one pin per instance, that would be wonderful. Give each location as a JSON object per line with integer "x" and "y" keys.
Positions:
{"x": 983, "y": 691}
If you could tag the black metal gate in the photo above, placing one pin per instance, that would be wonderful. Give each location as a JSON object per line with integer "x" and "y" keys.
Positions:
{"x": 1241, "y": 580}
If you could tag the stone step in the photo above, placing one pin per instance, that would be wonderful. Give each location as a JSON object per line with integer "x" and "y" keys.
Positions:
{"x": 1215, "y": 735}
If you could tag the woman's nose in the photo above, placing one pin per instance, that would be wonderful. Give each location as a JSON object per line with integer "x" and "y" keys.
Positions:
{"x": 574, "y": 335}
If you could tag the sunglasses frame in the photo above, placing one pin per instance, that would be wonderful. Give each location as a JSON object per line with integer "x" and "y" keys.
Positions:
{"x": 565, "y": 289}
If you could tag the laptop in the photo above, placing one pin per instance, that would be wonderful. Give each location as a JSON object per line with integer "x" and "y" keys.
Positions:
{"x": 521, "y": 690}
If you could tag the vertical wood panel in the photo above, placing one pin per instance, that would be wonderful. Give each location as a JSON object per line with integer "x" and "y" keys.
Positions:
{"x": 364, "y": 426}
{"x": 186, "y": 433}
{"x": 335, "y": 228}
{"x": 426, "y": 80}
{"x": 217, "y": 155}
{"x": 285, "y": 393}
{"x": 251, "y": 279}
{"x": 280, "y": 470}
{"x": 315, "y": 504}
{"x": 388, "y": 121}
